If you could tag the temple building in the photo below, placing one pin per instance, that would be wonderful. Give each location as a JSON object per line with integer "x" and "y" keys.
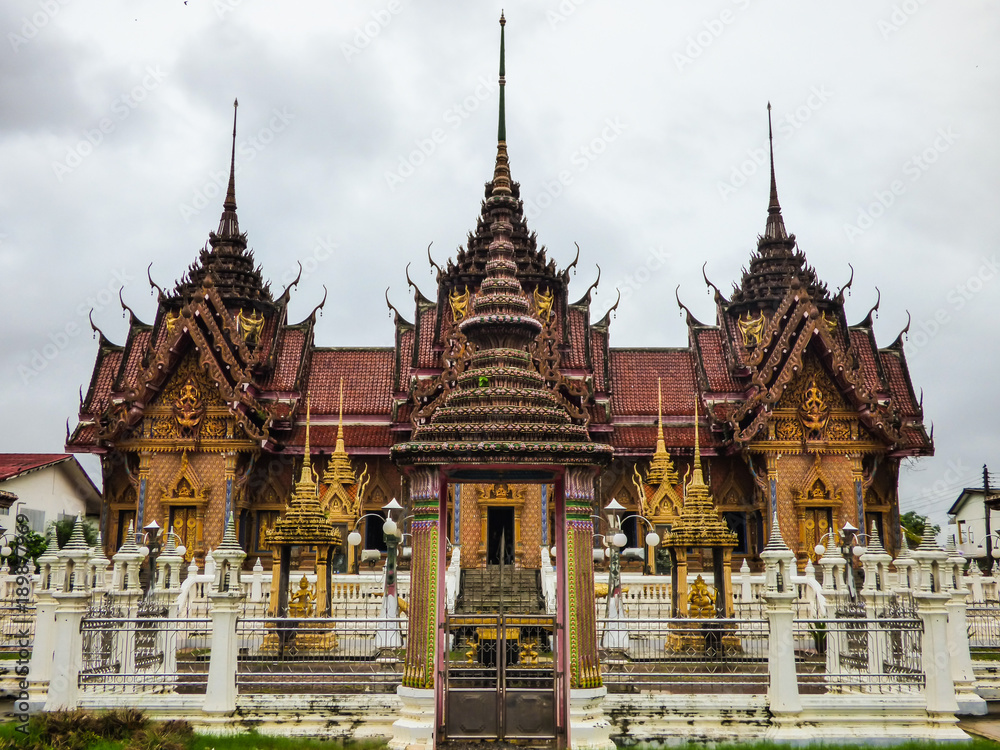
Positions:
{"x": 202, "y": 413}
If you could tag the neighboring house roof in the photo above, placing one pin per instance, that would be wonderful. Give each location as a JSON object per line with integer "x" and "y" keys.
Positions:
{"x": 13, "y": 465}
{"x": 966, "y": 495}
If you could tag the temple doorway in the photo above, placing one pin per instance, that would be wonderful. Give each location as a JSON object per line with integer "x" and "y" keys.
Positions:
{"x": 500, "y": 536}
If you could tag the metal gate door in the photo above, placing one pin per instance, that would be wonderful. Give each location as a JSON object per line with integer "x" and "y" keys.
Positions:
{"x": 501, "y": 677}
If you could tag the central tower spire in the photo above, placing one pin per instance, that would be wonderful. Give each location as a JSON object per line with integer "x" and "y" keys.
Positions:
{"x": 775, "y": 229}
{"x": 501, "y": 171}
{"x": 229, "y": 225}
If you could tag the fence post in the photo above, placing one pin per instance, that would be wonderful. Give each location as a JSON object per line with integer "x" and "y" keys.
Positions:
{"x": 71, "y": 606}
{"x": 227, "y": 598}
{"x": 931, "y": 597}
{"x": 779, "y": 594}
{"x": 962, "y": 674}
{"x": 44, "y": 643}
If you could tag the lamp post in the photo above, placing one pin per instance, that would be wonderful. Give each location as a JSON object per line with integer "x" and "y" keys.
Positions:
{"x": 388, "y": 635}
{"x": 614, "y": 541}
{"x": 151, "y": 544}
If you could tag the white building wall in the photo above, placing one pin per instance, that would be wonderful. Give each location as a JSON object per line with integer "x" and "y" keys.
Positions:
{"x": 51, "y": 492}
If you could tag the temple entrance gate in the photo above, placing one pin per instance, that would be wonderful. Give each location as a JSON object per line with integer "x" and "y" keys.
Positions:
{"x": 501, "y": 677}
{"x": 500, "y": 535}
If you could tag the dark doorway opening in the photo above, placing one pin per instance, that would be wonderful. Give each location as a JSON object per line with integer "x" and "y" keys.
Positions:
{"x": 500, "y": 535}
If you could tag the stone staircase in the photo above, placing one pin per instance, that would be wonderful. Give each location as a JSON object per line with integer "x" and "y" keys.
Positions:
{"x": 480, "y": 591}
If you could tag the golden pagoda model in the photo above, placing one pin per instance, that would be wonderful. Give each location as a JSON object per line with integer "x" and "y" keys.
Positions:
{"x": 304, "y": 524}
{"x": 700, "y": 526}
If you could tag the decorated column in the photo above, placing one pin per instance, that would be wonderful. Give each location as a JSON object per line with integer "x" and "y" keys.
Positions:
{"x": 581, "y": 625}
{"x": 421, "y": 643}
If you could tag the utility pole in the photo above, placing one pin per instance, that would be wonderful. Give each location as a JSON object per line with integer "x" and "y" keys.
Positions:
{"x": 986, "y": 505}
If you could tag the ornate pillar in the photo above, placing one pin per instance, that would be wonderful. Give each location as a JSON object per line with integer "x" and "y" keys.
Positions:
{"x": 421, "y": 643}
{"x": 145, "y": 458}
{"x": 772, "y": 485}
{"x": 581, "y": 624}
{"x": 230, "y": 457}
{"x": 858, "y": 477}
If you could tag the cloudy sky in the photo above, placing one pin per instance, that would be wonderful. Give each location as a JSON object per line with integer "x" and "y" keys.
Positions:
{"x": 366, "y": 131}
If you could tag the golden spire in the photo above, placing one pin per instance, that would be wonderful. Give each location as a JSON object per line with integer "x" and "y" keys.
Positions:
{"x": 340, "y": 422}
{"x": 697, "y": 478}
{"x": 338, "y": 469}
{"x": 700, "y": 524}
{"x": 661, "y": 444}
{"x": 306, "y": 479}
{"x": 661, "y": 467}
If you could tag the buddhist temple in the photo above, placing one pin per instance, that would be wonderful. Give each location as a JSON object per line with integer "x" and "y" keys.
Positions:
{"x": 201, "y": 413}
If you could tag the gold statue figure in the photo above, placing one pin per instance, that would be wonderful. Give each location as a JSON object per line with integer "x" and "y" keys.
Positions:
{"x": 701, "y": 599}
{"x": 188, "y": 408}
{"x": 752, "y": 329}
{"x": 250, "y": 326}
{"x": 459, "y": 304}
{"x": 543, "y": 303}
{"x": 814, "y": 411}
{"x": 303, "y": 601}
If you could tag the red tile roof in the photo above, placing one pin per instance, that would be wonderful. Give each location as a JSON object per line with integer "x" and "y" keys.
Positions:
{"x": 367, "y": 375}
{"x": 291, "y": 342}
{"x": 13, "y": 464}
{"x": 892, "y": 365}
{"x": 863, "y": 344}
{"x": 598, "y": 344}
{"x": 576, "y": 322}
{"x": 426, "y": 321}
{"x": 405, "y": 358}
{"x": 642, "y": 438}
{"x": 135, "y": 348}
{"x": 634, "y": 373}
{"x": 713, "y": 359}
{"x": 356, "y": 436}
{"x": 104, "y": 377}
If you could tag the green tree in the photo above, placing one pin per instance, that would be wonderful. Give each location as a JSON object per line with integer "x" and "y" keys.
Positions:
{"x": 27, "y": 547}
{"x": 64, "y": 529}
{"x": 915, "y": 526}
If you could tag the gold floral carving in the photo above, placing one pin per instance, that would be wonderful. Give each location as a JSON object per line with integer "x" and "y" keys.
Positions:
{"x": 788, "y": 429}
{"x": 543, "y": 303}
{"x": 751, "y": 329}
{"x": 830, "y": 323}
{"x": 459, "y": 304}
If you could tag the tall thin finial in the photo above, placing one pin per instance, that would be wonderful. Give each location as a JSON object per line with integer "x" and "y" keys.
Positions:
{"x": 697, "y": 444}
{"x": 231, "y": 193}
{"x": 340, "y": 421}
{"x": 229, "y": 225}
{"x": 501, "y": 171}
{"x": 659, "y": 416}
{"x": 775, "y": 229}
{"x": 306, "y": 452}
{"x": 502, "y": 126}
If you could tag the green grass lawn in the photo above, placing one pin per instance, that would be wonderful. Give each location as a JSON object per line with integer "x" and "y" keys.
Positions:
{"x": 128, "y": 729}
